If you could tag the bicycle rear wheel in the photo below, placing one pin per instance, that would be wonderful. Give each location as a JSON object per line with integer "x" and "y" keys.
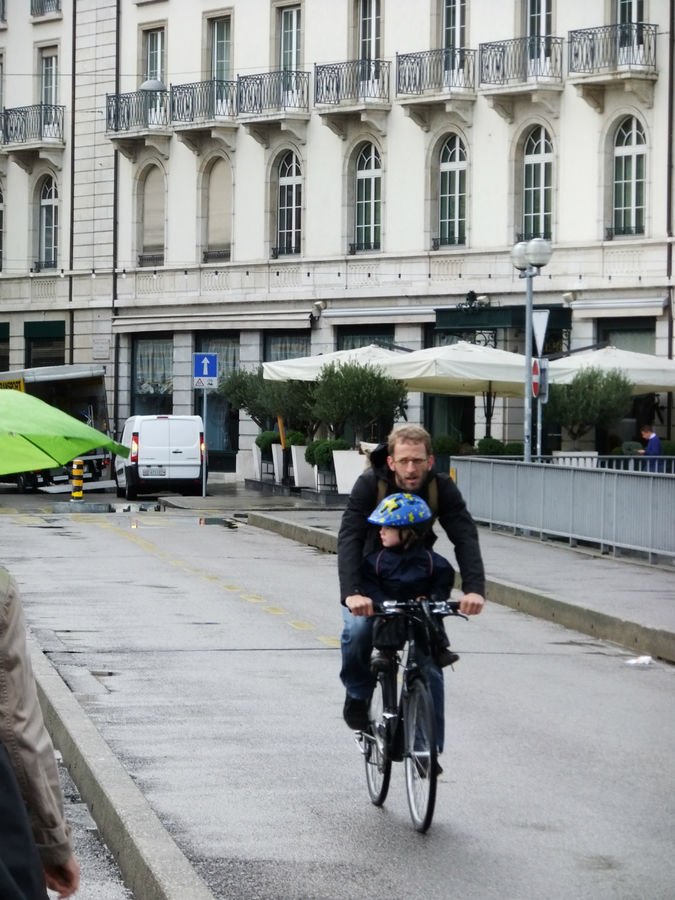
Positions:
{"x": 378, "y": 761}
{"x": 421, "y": 755}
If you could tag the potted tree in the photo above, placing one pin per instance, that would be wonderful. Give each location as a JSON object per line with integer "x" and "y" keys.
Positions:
{"x": 355, "y": 397}
{"x": 593, "y": 398}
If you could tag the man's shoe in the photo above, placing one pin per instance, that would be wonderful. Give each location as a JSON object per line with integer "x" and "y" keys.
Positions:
{"x": 445, "y": 658}
{"x": 355, "y": 713}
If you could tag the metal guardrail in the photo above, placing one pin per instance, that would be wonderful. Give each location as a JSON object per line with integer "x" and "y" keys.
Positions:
{"x": 203, "y": 100}
{"x": 610, "y": 47}
{"x": 521, "y": 60}
{"x": 43, "y": 121}
{"x": 352, "y": 82}
{"x": 614, "y": 509}
{"x": 137, "y": 109}
{"x": 272, "y": 91}
{"x": 42, "y": 7}
{"x": 435, "y": 70}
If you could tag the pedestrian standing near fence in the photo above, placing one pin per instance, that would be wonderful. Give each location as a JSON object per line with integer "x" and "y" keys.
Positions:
{"x": 652, "y": 448}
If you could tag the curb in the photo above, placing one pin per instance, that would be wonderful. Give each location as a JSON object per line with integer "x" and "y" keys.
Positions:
{"x": 151, "y": 863}
{"x": 634, "y": 637}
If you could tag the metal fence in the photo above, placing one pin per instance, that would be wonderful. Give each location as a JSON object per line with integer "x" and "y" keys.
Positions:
{"x": 137, "y": 109}
{"x": 272, "y": 91}
{"x": 42, "y": 121}
{"x": 435, "y": 70}
{"x": 613, "y": 509}
{"x": 626, "y": 46}
{"x": 351, "y": 82}
{"x": 520, "y": 60}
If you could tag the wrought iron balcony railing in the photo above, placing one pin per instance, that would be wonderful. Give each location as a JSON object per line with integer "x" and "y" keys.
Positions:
{"x": 287, "y": 249}
{"x": 352, "y": 82}
{"x": 612, "y": 47}
{"x": 528, "y": 235}
{"x": 21, "y": 124}
{"x": 272, "y": 91}
{"x": 363, "y": 246}
{"x": 447, "y": 240}
{"x": 521, "y": 60}
{"x": 138, "y": 109}
{"x": 435, "y": 71}
{"x": 203, "y": 100}
{"x": 624, "y": 231}
{"x": 41, "y": 264}
{"x": 42, "y": 7}
{"x": 150, "y": 259}
{"x": 223, "y": 253}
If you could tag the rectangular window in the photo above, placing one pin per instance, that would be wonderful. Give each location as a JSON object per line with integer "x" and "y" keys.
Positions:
{"x": 45, "y": 343}
{"x": 4, "y": 346}
{"x": 154, "y": 54}
{"x": 48, "y": 77}
{"x": 152, "y": 376}
{"x": 286, "y": 345}
{"x": 221, "y": 48}
{"x": 290, "y": 39}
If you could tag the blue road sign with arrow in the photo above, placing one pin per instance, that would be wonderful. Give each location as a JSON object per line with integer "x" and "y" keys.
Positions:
{"x": 205, "y": 369}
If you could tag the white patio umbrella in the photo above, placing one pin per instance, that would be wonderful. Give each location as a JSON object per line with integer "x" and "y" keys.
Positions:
{"x": 648, "y": 373}
{"x": 308, "y": 368}
{"x": 461, "y": 368}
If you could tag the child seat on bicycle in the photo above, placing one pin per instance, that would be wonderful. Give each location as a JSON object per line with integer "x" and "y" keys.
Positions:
{"x": 403, "y": 569}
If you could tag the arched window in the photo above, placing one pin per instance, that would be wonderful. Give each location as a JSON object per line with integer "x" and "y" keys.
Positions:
{"x": 48, "y": 235}
{"x": 152, "y": 219}
{"x": 289, "y": 207}
{"x": 629, "y": 178}
{"x": 452, "y": 192}
{"x": 368, "y": 199}
{"x": 218, "y": 196}
{"x": 537, "y": 185}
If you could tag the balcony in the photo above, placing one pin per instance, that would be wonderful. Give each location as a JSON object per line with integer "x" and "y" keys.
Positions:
{"x": 274, "y": 101}
{"x": 527, "y": 69}
{"x": 353, "y": 92}
{"x": 35, "y": 132}
{"x": 436, "y": 81}
{"x": 137, "y": 119}
{"x": 285, "y": 248}
{"x": 221, "y": 254}
{"x": 204, "y": 110}
{"x": 613, "y": 56}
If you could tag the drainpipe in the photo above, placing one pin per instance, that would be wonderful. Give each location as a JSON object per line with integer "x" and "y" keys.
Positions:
{"x": 669, "y": 202}
{"x": 71, "y": 243}
{"x": 115, "y": 234}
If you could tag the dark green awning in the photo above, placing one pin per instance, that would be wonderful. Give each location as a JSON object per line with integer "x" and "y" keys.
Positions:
{"x": 489, "y": 317}
{"x": 52, "y": 329}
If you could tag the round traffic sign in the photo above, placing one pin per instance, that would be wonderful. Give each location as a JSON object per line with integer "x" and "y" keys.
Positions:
{"x": 535, "y": 377}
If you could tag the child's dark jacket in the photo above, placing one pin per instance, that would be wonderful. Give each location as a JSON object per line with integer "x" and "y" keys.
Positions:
{"x": 398, "y": 574}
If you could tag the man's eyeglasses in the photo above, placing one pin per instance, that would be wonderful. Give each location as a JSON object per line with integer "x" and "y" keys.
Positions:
{"x": 408, "y": 461}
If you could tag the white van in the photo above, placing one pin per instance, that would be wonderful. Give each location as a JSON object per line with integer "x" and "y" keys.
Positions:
{"x": 167, "y": 454}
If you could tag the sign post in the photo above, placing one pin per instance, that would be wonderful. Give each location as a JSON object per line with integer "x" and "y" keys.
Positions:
{"x": 542, "y": 397}
{"x": 205, "y": 374}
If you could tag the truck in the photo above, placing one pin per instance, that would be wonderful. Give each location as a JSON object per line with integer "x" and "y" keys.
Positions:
{"x": 78, "y": 390}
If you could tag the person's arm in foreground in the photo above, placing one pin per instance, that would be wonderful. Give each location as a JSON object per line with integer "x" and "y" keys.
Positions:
{"x": 23, "y": 732}
{"x": 351, "y": 540}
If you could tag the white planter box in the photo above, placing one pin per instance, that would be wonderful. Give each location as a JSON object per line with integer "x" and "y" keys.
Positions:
{"x": 257, "y": 462}
{"x": 303, "y": 473}
{"x": 349, "y": 464}
{"x": 278, "y": 463}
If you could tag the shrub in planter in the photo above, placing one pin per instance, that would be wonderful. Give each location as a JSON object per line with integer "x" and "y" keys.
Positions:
{"x": 320, "y": 453}
{"x": 668, "y": 448}
{"x": 489, "y": 446}
{"x": 445, "y": 445}
{"x": 295, "y": 439}
{"x": 514, "y": 448}
{"x": 265, "y": 439}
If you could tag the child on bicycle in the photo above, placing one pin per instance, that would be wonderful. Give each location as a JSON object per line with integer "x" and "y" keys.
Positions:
{"x": 405, "y": 568}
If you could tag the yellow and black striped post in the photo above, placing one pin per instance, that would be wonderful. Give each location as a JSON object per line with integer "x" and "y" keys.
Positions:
{"x": 76, "y": 493}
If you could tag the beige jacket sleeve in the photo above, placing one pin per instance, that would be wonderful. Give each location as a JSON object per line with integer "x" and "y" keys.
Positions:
{"x": 23, "y": 732}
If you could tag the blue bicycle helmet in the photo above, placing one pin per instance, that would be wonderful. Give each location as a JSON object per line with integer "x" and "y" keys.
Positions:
{"x": 401, "y": 511}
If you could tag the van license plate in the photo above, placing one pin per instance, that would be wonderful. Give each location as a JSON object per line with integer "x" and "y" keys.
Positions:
{"x": 154, "y": 472}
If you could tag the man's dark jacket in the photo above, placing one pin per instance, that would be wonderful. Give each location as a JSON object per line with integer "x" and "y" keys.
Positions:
{"x": 358, "y": 537}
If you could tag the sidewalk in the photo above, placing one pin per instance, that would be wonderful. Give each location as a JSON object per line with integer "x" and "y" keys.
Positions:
{"x": 619, "y": 599}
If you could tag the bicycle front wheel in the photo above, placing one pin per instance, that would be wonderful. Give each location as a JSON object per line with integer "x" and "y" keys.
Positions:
{"x": 378, "y": 761}
{"x": 421, "y": 755}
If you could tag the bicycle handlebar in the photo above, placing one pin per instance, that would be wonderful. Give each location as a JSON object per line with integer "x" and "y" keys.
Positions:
{"x": 412, "y": 606}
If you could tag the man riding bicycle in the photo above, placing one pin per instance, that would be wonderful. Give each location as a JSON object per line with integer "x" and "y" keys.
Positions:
{"x": 404, "y": 464}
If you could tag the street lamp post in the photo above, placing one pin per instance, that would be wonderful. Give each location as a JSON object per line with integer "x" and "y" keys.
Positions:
{"x": 529, "y": 257}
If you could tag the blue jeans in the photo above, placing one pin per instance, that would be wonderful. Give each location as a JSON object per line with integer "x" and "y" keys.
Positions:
{"x": 357, "y": 645}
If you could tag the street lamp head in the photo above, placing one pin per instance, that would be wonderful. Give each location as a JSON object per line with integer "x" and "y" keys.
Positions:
{"x": 152, "y": 84}
{"x": 538, "y": 252}
{"x": 519, "y": 256}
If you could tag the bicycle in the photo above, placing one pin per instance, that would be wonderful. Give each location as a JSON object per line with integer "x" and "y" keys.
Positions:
{"x": 402, "y": 720}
